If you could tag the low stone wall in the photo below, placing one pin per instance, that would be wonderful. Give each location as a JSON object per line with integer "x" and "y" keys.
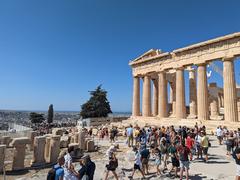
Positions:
{"x": 99, "y": 121}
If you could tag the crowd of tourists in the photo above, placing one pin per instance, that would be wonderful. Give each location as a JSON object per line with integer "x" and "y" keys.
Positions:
{"x": 167, "y": 150}
{"x": 180, "y": 146}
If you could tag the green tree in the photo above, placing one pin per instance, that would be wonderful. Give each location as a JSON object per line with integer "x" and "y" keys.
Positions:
{"x": 50, "y": 114}
{"x": 97, "y": 105}
{"x": 36, "y": 117}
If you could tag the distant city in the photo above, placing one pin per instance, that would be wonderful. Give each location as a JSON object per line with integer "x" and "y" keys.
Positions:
{"x": 22, "y": 117}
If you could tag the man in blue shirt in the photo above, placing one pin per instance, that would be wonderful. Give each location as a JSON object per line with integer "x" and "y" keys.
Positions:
{"x": 59, "y": 172}
{"x": 130, "y": 136}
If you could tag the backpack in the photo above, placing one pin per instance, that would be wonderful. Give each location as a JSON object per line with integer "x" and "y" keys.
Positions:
{"x": 52, "y": 173}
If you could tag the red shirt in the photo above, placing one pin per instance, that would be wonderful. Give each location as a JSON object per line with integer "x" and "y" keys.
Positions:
{"x": 189, "y": 142}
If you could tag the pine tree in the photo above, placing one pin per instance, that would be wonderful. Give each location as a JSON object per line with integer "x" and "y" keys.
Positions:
{"x": 50, "y": 114}
{"x": 36, "y": 118}
{"x": 97, "y": 105}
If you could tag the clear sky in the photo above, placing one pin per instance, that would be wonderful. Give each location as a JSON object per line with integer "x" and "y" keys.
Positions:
{"x": 55, "y": 51}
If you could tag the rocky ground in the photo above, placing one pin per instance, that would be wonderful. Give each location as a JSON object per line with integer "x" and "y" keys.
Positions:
{"x": 219, "y": 166}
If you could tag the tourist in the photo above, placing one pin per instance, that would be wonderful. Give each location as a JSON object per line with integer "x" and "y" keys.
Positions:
{"x": 205, "y": 145}
{"x": 59, "y": 172}
{"x": 137, "y": 163}
{"x": 158, "y": 156}
{"x": 230, "y": 143}
{"x": 68, "y": 166}
{"x": 145, "y": 154}
{"x": 190, "y": 144}
{"x": 172, "y": 150}
{"x": 90, "y": 167}
{"x": 129, "y": 132}
{"x": 236, "y": 156}
{"x": 112, "y": 165}
{"x": 198, "y": 147}
{"x": 184, "y": 160}
{"x": 219, "y": 133}
{"x": 163, "y": 149}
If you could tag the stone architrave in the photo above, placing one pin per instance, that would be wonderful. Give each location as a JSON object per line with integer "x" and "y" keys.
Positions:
{"x": 33, "y": 134}
{"x": 155, "y": 97}
{"x": 180, "y": 94}
{"x": 146, "y": 101}
{"x": 2, "y": 156}
{"x": 136, "y": 97}
{"x": 202, "y": 93}
{"x": 54, "y": 148}
{"x": 47, "y": 149}
{"x": 229, "y": 89}
{"x": 162, "y": 95}
{"x": 19, "y": 145}
{"x": 214, "y": 109}
{"x": 39, "y": 151}
{"x": 192, "y": 94}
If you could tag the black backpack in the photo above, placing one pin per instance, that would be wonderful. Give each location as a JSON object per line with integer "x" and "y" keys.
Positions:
{"x": 52, "y": 173}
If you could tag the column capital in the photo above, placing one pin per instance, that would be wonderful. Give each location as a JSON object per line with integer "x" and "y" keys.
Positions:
{"x": 202, "y": 64}
{"x": 180, "y": 68}
{"x": 228, "y": 58}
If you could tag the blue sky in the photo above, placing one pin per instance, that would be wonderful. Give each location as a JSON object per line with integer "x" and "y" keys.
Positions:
{"x": 56, "y": 51}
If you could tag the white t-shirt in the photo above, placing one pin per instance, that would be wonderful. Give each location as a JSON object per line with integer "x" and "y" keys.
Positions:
{"x": 219, "y": 132}
{"x": 137, "y": 159}
{"x": 68, "y": 174}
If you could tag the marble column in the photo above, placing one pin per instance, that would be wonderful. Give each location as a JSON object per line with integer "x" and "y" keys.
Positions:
{"x": 146, "y": 102}
{"x": 155, "y": 97}
{"x": 54, "y": 148}
{"x": 229, "y": 88}
{"x": 192, "y": 94}
{"x": 136, "y": 97}
{"x": 19, "y": 152}
{"x": 180, "y": 94}
{"x": 2, "y": 157}
{"x": 202, "y": 93}
{"x": 162, "y": 95}
{"x": 39, "y": 150}
{"x": 173, "y": 98}
{"x": 214, "y": 109}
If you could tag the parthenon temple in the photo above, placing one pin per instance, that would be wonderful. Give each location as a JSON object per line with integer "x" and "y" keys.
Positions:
{"x": 157, "y": 70}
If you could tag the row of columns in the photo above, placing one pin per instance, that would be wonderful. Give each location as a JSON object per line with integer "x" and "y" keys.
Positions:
{"x": 199, "y": 102}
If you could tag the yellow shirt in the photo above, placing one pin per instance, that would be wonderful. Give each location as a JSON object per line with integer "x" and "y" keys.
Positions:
{"x": 204, "y": 141}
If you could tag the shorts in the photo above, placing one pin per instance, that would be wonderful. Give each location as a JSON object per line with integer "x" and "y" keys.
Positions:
{"x": 145, "y": 161}
{"x": 219, "y": 138}
{"x": 158, "y": 162}
{"x": 184, "y": 164}
{"x": 229, "y": 148}
{"x": 238, "y": 170}
{"x": 136, "y": 166}
{"x": 175, "y": 162}
{"x": 205, "y": 150}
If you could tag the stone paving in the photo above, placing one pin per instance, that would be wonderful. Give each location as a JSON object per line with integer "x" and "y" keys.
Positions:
{"x": 219, "y": 166}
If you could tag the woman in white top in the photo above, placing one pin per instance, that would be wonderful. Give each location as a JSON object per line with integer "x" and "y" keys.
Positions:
{"x": 68, "y": 166}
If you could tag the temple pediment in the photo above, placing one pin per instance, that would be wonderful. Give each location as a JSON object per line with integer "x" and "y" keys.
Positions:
{"x": 148, "y": 54}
